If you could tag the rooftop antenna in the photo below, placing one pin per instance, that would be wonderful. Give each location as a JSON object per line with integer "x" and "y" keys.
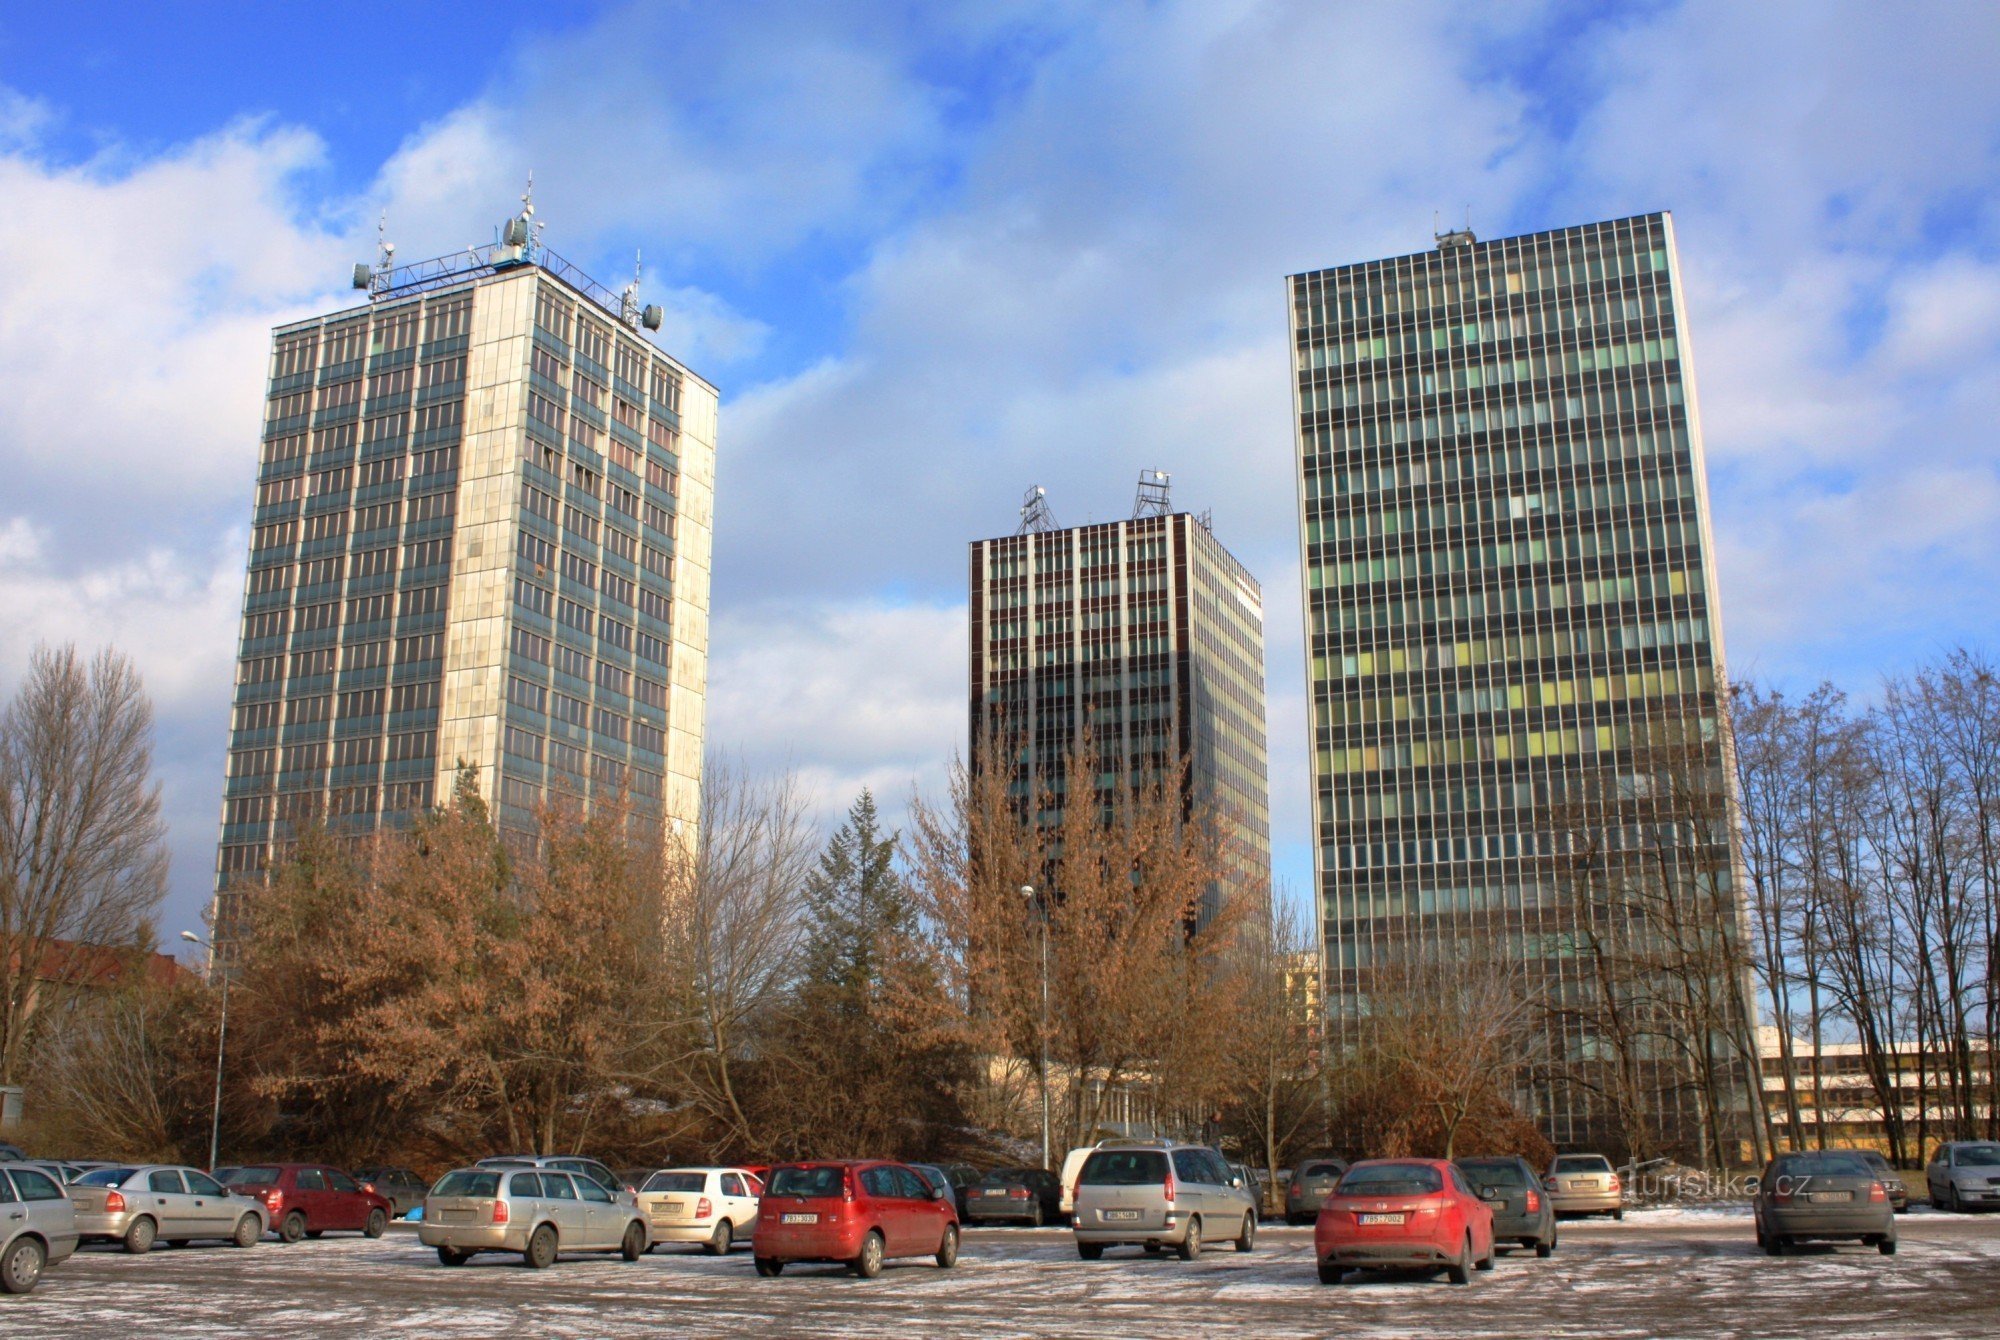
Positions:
{"x": 1036, "y": 518}
{"x": 520, "y": 235}
{"x": 1152, "y": 499}
{"x": 375, "y": 278}
{"x": 629, "y": 310}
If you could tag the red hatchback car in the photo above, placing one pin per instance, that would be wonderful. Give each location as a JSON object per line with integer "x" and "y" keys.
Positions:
{"x": 1403, "y": 1214}
{"x": 308, "y": 1199}
{"x": 859, "y": 1213}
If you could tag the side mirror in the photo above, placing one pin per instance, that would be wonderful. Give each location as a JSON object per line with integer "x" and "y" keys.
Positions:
{"x": 940, "y": 1193}
{"x": 1236, "y": 1182}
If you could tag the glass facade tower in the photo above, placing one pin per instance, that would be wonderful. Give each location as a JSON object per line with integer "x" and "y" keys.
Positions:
{"x": 1509, "y": 595}
{"x": 1148, "y": 634}
{"x": 481, "y": 537}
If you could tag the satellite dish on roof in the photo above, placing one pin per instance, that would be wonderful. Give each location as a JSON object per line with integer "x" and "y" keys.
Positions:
{"x": 652, "y": 317}
{"x": 362, "y": 274}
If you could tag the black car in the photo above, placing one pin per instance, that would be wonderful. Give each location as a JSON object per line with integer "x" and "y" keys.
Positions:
{"x": 1521, "y": 1208}
{"x": 404, "y": 1189}
{"x": 1020, "y": 1195}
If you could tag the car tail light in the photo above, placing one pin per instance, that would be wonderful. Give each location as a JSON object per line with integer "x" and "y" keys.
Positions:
{"x": 1877, "y": 1193}
{"x": 704, "y": 1208}
{"x": 1615, "y": 1184}
{"x": 500, "y": 1212}
{"x": 114, "y": 1203}
{"x": 1781, "y": 1196}
{"x": 1170, "y": 1187}
{"x": 369, "y": 1187}
{"x": 1534, "y": 1203}
{"x": 1019, "y": 1193}
{"x": 847, "y": 1184}
{"x": 273, "y": 1198}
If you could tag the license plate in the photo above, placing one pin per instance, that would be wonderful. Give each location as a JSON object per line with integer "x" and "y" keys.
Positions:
{"x": 454, "y": 1216}
{"x": 1367, "y": 1219}
{"x": 1830, "y": 1197}
{"x": 799, "y": 1219}
{"x": 1119, "y": 1214}
{"x": 1592, "y": 1183}
{"x": 993, "y": 1191}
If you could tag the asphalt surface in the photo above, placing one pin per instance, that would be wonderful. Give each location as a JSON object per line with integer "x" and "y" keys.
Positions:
{"x": 1669, "y": 1273}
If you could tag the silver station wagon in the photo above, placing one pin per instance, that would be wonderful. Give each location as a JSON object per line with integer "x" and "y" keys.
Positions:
{"x": 538, "y": 1213}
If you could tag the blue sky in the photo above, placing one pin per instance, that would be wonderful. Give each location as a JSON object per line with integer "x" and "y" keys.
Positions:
{"x": 936, "y": 252}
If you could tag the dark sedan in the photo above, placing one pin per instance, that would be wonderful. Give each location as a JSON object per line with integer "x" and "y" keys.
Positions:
{"x": 1521, "y": 1209}
{"x": 1020, "y": 1195}
{"x": 404, "y": 1189}
{"x": 1312, "y": 1182}
{"x": 1891, "y": 1180}
{"x": 1823, "y": 1197}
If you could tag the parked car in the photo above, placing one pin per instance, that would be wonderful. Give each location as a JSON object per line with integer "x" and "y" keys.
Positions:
{"x": 1824, "y": 1196}
{"x": 307, "y": 1199}
{"x": 1522, "y": 1210}
{"x": 12, "y": 1153}
{"x": 1891, "y": 1180}
{"x": 1403, "y": 1214}
{"x": 536, "y": 1212}
{"x": 1964, "y": 1175}
{"x": 404, "y": 1188}
{"x": 1312, "y": 1181}
{"x": 37, "y": 1225}
{"x": 960, "y": 1177}
{"x": 152, "y": 1202}
{"x": 1018, "y": 1195}
{"x": 1158, "y": 1194}
{"x": 1585, "y": 1184}
{"x": 715, "y": 1207}
{"x": 571, "y": 1163}
{"x": 856, "y": 1212}
{"x": 64, "y": 1173}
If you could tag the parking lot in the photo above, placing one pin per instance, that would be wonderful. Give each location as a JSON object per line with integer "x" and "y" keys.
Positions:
{"x": 1658, "y": 1273}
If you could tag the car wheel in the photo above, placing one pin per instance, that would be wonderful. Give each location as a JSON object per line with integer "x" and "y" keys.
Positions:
{"x": 947, "y": 1252}
{"x": 1035, "y": 1219}
{"x": 1460, "y": 1271}
{"x": 452, "y": 1256}
{"x": 1190, "y": 1246}
{"x": 1886, "y": 1246}
{"x": 541, "y": 1253}
{"x": 1248, "y": 1240}
{"x": 378, "y": 1223}
{"x": 720, "y": 1241}
{"x": 22, "y": 1265}
{"x": 1329, "y": 1273}
{"x": 1090, "y": 1251}
{"x": 293, "y": 1228}
{"x": 248, "y": 1230}
{"x": 769, "y": 1268}
{"x": 1951, "y": 1200}
{"x": 1619, "y": 1214}
{"x": 869, "y": 1263}
{"x": 1778, "y": 1245}
{"x": 1485, "y": 1262}
{"x": 1546, "y": 1247}
{"x": 634, "y": 1245}
{"x": 139, "y": 1236}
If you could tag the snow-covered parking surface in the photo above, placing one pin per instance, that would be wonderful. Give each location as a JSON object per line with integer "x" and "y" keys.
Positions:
{"x": 1660, "y": 1273}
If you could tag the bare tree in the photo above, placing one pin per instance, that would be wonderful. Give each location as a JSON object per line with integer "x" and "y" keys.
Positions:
{"x": 82, "y": 847}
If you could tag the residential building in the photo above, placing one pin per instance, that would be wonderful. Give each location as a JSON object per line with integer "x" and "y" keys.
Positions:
{"x": 481, "y": 540}
{"x": 1144, "y": 634}
{"x": 1511, "y": 617}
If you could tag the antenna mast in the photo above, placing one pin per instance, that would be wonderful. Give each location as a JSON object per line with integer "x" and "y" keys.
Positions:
{"x": 1152, "y": 498}
{"x": 1035, "y": 515}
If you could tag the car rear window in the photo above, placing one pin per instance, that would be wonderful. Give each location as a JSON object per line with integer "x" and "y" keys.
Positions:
{"x": 1391, "y": 1179}
{"x": 1583, "y": 1163}
{"x": 468, "y": 1182}
{"x": 815, "y": 1182}
{"x": 1499, "y": 1172}
{"x": 1822, "y": 1165}
{"x": 1322, "y": 1170}
{"x": 105, "y": 1177}
{"x": 1124, "y": 1167}
{"x": 1001, "y": 1176}
{"x": 250, "y": 1177}
{"x": 676, "y": 1181}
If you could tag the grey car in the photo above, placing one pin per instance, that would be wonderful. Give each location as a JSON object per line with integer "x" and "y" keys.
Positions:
{"x": 1312, "y": 1182}
{"x": 37, "y": 1225}
{"x": 1891, "y": 1180}
{"x": 404, "y": 1189}
{"x": 152, "y": 1202}
{"x": 1523, "y": 1211}
{"x": 1585, "y": 1184}
{"x": 537, "y": 1212}
{"x": 1964, "y": 1175}
{"x": 1158, "y": 1194}
{"x": 1830, "y": 1196}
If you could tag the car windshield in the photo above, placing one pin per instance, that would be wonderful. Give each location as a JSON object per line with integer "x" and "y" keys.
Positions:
{"x": 1494, "y": 1172}
{"x": 250, "y": 1177}
{"x": 812, "y": 1182}
{"x": 468, "y": 1182}
{"x": 1979, "y": 1156}
{"x": 1583, "y": 1163}
{"x": 1391, "y": 1179}
{"x": 105, "y": 1177}
{"x": 676, "y": 1181}
{"x": 1821, "y": 1165}
{"x": 1124, "y": 1167}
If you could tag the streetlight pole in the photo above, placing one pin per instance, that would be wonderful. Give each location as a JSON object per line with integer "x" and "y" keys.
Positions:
{"x": 1028, "y": 893}
{"x": 221, "y": 1038}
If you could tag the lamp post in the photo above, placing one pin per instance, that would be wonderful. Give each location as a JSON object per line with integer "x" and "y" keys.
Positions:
{"x": 221, "y": 1037}
{"x": 1028, "y": 894}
